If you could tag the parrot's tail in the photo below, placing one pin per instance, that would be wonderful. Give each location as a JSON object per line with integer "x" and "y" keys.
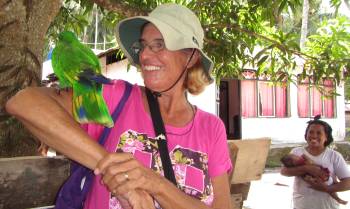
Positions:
{"x": 90, "y": 107}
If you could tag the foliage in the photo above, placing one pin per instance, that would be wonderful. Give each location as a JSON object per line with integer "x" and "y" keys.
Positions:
{"x": 72, "y": 16}
{"x": 263, "y": 34}
{"x": 79, "y": 16}
{"x": 329, "y": 49}
{"x": 292, "y": 19}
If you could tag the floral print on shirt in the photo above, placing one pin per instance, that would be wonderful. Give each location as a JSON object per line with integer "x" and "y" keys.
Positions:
{"x": 188, "y": 162}
{"x": 190, "y": 166}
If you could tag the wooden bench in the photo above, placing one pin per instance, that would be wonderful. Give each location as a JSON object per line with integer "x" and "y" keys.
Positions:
{"x": 27, "y": 182}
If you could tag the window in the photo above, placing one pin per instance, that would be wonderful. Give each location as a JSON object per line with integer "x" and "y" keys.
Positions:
{"x": 249, "y": 98}
{"x": 262, "y": 98}
{"x": 312, "y": 102}
{"x": 266, "y": 98}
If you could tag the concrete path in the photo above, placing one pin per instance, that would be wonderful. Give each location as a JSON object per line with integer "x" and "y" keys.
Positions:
{"x": 274, "y": 191}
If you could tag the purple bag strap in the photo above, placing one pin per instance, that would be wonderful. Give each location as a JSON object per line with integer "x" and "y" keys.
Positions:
{"x": 73, "y": 192}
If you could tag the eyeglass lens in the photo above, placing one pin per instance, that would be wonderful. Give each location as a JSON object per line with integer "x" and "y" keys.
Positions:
{"x": 155, "y": 46}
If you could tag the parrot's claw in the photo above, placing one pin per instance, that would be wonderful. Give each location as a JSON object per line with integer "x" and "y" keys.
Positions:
{"x": 58, "y": 89}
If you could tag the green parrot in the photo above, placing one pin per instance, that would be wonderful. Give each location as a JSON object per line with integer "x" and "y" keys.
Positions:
{"x": 77, "y": 67}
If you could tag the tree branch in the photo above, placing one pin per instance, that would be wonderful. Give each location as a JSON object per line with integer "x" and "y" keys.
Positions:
{"x": 251, "y": 33}
{"x": 120, "y": 7}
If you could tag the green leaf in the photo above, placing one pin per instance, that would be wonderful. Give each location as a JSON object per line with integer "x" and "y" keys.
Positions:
{"x": 262, "y": 60}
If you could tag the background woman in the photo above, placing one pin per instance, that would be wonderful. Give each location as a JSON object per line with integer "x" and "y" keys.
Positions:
{"x": 315, "y": 194}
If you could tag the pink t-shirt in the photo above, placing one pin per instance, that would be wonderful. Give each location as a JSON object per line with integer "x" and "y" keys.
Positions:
{"x": 198, "y": 150}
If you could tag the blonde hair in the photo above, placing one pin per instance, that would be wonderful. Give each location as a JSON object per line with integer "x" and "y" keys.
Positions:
{"x": 197, "y": 79}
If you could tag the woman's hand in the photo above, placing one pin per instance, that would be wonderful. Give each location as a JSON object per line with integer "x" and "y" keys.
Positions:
{"x": 122, "y": 173}
{"x": 140, "y": 199}
{"x": 317, "y": 172}
{"x": 136, "y": 199}
{"x": 317, "y": 184}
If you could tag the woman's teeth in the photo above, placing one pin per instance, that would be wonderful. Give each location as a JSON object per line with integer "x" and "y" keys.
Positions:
{"x": 151, "y": 68}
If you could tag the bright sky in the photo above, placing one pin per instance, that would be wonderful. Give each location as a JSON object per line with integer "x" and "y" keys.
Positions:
{"x": 343, "y": 9}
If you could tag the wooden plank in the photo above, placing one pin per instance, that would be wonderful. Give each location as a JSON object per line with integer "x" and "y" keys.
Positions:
{"x": 27, "y": 182}
{"x": 236, "y": 200}
{"x": 250, "y": 158}
{"x": 233, "y": 155}
{"x": 242, "y": 189}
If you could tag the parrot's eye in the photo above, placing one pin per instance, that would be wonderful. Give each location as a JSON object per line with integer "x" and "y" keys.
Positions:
{"x": 155, "y": 46}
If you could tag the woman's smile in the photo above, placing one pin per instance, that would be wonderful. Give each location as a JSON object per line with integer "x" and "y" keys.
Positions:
{"x": 150, "y": 68}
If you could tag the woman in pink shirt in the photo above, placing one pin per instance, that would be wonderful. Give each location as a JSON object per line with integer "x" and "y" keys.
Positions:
{"x": 167, "y": 47}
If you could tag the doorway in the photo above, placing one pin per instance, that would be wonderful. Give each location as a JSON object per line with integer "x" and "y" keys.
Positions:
{"x": 230, "y": 107}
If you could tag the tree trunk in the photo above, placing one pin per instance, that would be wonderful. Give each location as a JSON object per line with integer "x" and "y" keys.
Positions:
{"x": 23, "y": 26}
{"x": 347, "y": 4}
{"x": 277, "y": 16}
{"x": 304, "y": 23}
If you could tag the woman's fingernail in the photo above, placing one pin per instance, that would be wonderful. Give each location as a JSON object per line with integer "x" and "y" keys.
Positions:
{"x": 96, "y": 171}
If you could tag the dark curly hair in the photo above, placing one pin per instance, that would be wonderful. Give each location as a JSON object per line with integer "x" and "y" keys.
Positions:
{"x": 326, "y": 126}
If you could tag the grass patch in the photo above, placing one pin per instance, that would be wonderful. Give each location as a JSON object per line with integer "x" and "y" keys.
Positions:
{"x": 344, "y": 149}
{"x": 274, "y": 156}
{"x": 347, "y": 134}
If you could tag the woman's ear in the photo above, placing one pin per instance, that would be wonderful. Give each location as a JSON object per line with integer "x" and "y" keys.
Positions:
{"x": 195, "y": 57}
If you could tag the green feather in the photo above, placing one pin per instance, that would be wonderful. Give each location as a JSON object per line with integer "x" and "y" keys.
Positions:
{"x": 70, "y": 59}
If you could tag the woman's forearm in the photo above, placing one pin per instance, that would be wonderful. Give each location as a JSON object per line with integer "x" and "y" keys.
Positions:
{"x": 45, "y": 114}
{"x": 340, "y": 186}
{"x": 294, "y": 171}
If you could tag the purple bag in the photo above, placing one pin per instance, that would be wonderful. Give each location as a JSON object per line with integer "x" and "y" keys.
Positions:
{"x": 73, "y": 192}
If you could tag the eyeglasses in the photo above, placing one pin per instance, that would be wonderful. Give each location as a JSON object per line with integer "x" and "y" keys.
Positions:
{"x": 155, "y": 46}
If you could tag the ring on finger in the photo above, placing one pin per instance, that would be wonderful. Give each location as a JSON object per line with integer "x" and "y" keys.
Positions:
{"x": 126, "y": 176}
{"x": 114, "y": 193}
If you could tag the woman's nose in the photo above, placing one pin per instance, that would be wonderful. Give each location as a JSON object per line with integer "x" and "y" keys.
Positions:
{"x": 313, "y": 135}
{"x": 145, "y": 53}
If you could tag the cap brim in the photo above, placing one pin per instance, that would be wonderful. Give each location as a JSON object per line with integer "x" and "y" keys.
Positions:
{"x": 208, "y": 65}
